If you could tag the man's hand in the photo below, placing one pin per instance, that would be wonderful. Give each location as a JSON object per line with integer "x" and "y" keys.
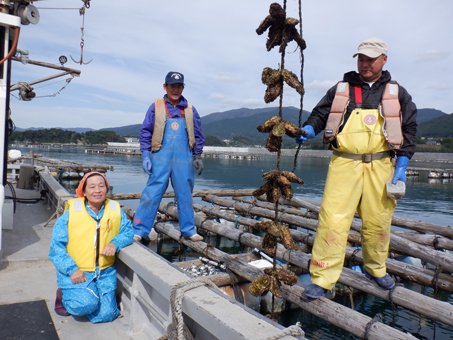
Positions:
{"x": 309, "y": 133}
{"x": 198, "y": 163}
{"x": 78, "y": 277}
{"x": 109, "y": 250}
{"x": 400, "y": 169}
{"x": 147, "y": 165}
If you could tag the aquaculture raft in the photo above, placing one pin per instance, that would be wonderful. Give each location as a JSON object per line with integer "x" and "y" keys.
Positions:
{"x": 242, "y": 210}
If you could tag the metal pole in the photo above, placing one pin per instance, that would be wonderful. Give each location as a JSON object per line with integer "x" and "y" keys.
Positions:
{"x": 6, "y": 23}
{"x": 48, "y": 65}
{"x": 42, "y": 80}
{"x": 4, "y": 37}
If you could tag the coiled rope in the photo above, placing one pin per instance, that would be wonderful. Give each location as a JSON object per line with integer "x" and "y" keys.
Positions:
{"x": 177, "y": 330}
{"x": 294, "y": 330}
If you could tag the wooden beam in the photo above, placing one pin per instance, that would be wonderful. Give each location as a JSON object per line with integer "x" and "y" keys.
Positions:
{"x": 406, "y": 271}
{"x": 338, "y": 315}
{"x": 397, "y": 243}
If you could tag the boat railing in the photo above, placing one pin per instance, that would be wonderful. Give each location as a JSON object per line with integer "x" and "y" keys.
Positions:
{"x": 145, "y": 281}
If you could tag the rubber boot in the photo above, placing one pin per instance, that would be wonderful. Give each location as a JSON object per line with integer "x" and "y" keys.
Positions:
{"x": 59, "y": 308}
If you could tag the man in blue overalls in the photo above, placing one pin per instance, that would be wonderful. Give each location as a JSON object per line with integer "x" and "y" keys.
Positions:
{"x": 170, "y": 141}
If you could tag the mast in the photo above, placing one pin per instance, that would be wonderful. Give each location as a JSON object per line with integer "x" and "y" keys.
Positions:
{"x": 11, "y": 17}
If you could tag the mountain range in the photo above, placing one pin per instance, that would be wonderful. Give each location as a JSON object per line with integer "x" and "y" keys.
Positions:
{"x": 243, "y": 122}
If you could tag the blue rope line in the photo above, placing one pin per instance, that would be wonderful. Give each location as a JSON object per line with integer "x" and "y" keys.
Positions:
{"x": 236, "y": 225}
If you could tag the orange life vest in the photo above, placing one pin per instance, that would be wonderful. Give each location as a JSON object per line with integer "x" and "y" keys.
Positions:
{"x": 389, "y": 109}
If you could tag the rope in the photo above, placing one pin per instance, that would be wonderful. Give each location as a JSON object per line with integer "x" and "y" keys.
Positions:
{"x": 236, "y": 224}
{"x": 208, "y": 218}
{"x": 294, "y": 330}
{"x": 236, "y": 289}
{"x": 302, "y": 62}
{"x": 240, "y": 235}
{"x": 169, "y": 205}
{"x": 177, "y": 330}
{"x": 377, "y": 318}
{"x": 392, "y": 304}
{"x": 434, "y": 283}
{"x": 354, "y": 254}
{"x": 436, "y": 242}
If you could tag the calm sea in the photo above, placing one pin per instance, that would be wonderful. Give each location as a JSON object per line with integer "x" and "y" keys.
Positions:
{"x": 426, "y": 200}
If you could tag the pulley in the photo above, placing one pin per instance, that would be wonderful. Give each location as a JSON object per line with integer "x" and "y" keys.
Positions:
{"x": 28, "y": 15}
{"x": 26, "y": 94}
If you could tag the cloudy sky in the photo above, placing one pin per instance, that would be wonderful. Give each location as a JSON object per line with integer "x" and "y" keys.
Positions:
{"x": 135, "y": 43}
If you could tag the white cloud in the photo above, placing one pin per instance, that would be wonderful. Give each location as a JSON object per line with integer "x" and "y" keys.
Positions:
{"x": 215, "y": 46}
{"x": 320, "y": 86}
{"x": 432, "y": 56}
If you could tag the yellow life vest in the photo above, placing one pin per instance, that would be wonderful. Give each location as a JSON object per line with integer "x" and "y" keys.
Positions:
{"x": 160, "y": 119}
{"x": 82, "y": 233}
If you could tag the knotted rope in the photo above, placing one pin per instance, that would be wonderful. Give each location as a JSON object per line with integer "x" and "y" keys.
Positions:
{"x": 177, "y": 330}
{"x": 294, "y": 330}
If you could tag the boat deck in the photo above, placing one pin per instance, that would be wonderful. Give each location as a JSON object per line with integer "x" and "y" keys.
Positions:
{"x": 26, "y": 273}
{"x": 145, "y": 281}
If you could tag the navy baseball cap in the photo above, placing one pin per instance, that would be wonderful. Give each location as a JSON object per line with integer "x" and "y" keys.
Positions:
{"x": 174, "y": 78}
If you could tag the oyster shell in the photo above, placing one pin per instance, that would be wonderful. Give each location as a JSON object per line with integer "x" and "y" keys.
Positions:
{"x": 287, "y": 192}
{"x": 286, "y": 238}
{"x": 270, "y": 175}
{"x": 273, "y": 143}
{"x": 292, "y": 177}
{"x": 292, "y": 80}
{"x": 260, "y": 286}
{"x": 292, "y": 130}
{"x": 278, "y": 130}
{"x": 269, "y": 124}
{"x": 263, "y": 189}
{"x": 286, "y": 276}
{"x": 269, "y": 245}
{"x": 275, "y": 287}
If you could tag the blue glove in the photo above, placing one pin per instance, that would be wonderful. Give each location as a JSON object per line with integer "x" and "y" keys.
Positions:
{"x": 147, "y": 166}
{"x": 400, "y": 169}
{"x": 309, "y": 134}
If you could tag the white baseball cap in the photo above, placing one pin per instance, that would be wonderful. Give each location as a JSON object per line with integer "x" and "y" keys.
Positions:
{"x": 373, "y": 48}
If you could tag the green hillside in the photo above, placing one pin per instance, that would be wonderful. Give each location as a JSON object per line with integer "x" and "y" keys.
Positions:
{"x": 441, "y": 127}
{"x": 423, "y": 115}
{"x": 243, "y": 122}
{"x": 129, "y": 130}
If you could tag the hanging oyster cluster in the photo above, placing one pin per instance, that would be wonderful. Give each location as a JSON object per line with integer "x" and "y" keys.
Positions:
{"x": 282, "y": 30}
{"x": 277, "y": 128}
{"x": 273, "y": 233}
{"x": 278, "y": 184}
{"x": 274, "y": 81}
{"x": 271, "y": 281}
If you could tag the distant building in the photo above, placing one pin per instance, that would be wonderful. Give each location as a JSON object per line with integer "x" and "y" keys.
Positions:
{"x": 132, "y": 140}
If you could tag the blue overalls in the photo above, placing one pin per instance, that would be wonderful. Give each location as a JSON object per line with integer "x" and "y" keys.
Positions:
{"x": 173, "y": 160}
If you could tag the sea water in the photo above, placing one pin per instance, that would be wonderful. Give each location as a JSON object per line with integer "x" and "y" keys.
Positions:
{"x": 426, "y": 200}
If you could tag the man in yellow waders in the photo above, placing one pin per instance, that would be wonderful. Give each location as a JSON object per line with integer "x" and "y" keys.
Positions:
{"x": 367, "y": 119}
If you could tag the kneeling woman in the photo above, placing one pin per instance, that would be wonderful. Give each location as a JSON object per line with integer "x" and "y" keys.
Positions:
{"x": 84, "y": 243}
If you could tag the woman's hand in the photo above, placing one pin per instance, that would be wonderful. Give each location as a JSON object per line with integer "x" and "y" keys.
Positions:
{"x": 78, "y": 277}
{"x": 109, "y": 250}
